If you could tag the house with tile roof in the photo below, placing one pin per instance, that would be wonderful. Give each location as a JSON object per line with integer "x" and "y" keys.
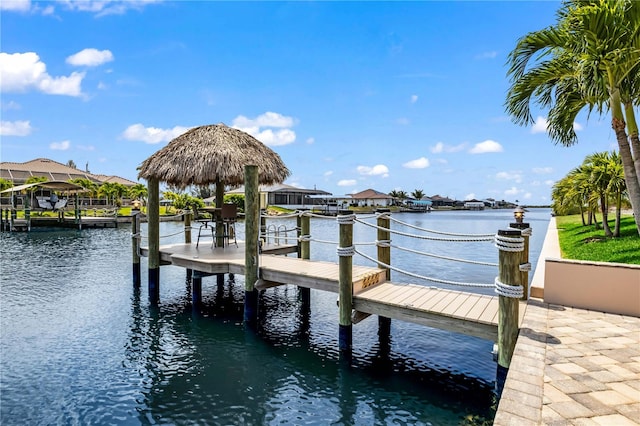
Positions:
{"x": 371, "y": 198}
{"x": 18, "y": 173}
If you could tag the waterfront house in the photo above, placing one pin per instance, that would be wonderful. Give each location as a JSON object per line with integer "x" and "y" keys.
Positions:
{"x": 287, "y": 196}
{"x": 439, "y": 201}
{"x": 371, "y": 198}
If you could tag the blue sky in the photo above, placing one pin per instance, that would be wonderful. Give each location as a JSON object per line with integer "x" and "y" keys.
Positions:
{"x": 351, "y": 95}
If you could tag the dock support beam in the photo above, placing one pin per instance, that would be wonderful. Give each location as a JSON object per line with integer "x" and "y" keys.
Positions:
{"x": 305, "y": 253}
{"x": 508, "y": 285}
{"x": 153, "y": 225}
{"x": 345, "y": 292}
{"x": 252, "y": 231}
{"x": 135, "y": 247}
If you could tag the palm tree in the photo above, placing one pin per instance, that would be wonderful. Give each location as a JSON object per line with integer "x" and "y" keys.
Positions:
{"x": 138, "y": 191}
{"x": 5, "y": 184}
{"x": 590, "y": 59}
{"x": 417, "y": 194}
{"x": 71, "y": 164}
{"x": 598, "y": 167}
{"x": 89, "y": 185}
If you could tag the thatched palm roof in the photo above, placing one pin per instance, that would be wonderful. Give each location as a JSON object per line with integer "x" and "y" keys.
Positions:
{"x": 206, "y": 153}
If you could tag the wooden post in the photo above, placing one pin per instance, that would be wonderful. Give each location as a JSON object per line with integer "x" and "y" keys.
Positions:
{"x": 196, "y": 290}
{"x": 252, "y": 223}
{"x": 135, "y": 247}
{"x": 384, "y": 256}
{"x": 27, "y": 212}
{"x": 14, "y": 216}
{"x": 524, "y": 257}
{"x": 218, "y": 220}
{"x": 345, "y": 291}
{"x": 188, "y": 215}
{"x": 153, "y": 229}
{"x": 509, "y": 275}
{"x": 76, "y": 211}
{"x": 263, "y": 225}
{"x": 305, "y": 253}
{"x": 299, "y": 233}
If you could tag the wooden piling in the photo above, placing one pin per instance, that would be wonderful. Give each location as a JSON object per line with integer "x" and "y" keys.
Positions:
{"x": 305, "y": 252}
{"x": 153, "y": 226}
{"x": 524, "y": 256}
{"x": 508, "y": 274}
{"x": 252, "y": 223}
{"x": 196, "y": 290}
{"x": 384, "y": 256}
{"x": 188, "y": 215}
{"x": 345, "y": 283}
{"x": 135, "y": 247}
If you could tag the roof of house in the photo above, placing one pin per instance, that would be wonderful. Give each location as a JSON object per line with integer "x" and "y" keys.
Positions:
{"x": 437, "y": 197}
{"x": 370, "y": 194}
{"x": 52, "y": 170}
{"x": 281, "y": 187}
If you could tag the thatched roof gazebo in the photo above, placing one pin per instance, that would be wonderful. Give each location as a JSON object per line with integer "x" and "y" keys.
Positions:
{"x": 212, "y": 154}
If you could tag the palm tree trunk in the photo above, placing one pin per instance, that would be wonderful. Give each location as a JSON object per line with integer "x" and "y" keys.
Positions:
{"x": 632, "y": 126}
{"x": 616, "y": 231}
{"x": 605, "y": 215}
{"x": 630, "y": 175}
{"x": 582, "y": 216}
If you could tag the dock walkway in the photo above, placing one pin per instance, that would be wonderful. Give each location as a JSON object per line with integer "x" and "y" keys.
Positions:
{"x": 571, "y": 366}
{"x": 462, "y": 312}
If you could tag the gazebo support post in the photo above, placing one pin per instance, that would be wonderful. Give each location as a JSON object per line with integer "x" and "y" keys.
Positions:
{"x": 252, "y": 231}
{"x": 135, "y": 247}
{"x": 219, "y": 226}
{"x": 153, "y": 226}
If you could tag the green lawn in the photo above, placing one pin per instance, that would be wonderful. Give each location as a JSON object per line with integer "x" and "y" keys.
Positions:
{"x": 586, "y": 243}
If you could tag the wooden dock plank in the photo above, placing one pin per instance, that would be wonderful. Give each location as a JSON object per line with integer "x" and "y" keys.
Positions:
{"x": 490, "y": 312}
{"x": 464, "y": 309}
{"x": 400, "y": 294}
{"x": 477, "y": 310}
{"x": 455, "y": 304}
{"x": 431, "y": 302}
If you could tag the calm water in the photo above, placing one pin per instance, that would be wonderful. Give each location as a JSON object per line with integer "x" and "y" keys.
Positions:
{"x": 80, "y": 346}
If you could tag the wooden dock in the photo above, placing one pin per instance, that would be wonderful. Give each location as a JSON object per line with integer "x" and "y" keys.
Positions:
{"x": 67, "y": 222}
{"x": 461, "y": 312}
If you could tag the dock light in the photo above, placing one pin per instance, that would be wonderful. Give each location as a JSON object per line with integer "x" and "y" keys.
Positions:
{"x": 136, "y": 204}
{"x": 518, "y": 214}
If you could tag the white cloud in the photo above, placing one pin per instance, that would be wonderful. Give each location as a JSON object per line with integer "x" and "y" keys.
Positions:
{"x": 414, "y": 99}
{"x": 15, "y": 128}
{"x": 418, "y": 163}
{"x": 540, "y": 125}
{"x": 86, "y": 147}
{"x": 60, "y": 146}
{"x": 20, "y": 72}
{"x": 152, "y": 135}
{"x": 269, "y": 119}
{"x": 311, "y": 141}
{"x": 527, "y": 196}
{"x": 549, "y": 182}
{"x": 347, "y": 182}
{"x": 377, "y": 170}
{"x": 442, "y": 161}
{"x": 441, "y": 147}
{"x": 487, "y": 55}
{"x": 402, "y": 121}
{"x": 485, "y": 147}
{"x": 102, "y": 86}
{"x": 6, "y": 106}
{"x": 15, "y": 5}
{"x": 515, "y": 176}
{"x": 512, "y": 191}
{"x": 90, "y": 57}
{"x": 107, "y": 7}
{"x": 542, "y": 170}
{"x": 577, "y": 126}
{"x": 328, "y": 173}
{"x": 470, "y": 196}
